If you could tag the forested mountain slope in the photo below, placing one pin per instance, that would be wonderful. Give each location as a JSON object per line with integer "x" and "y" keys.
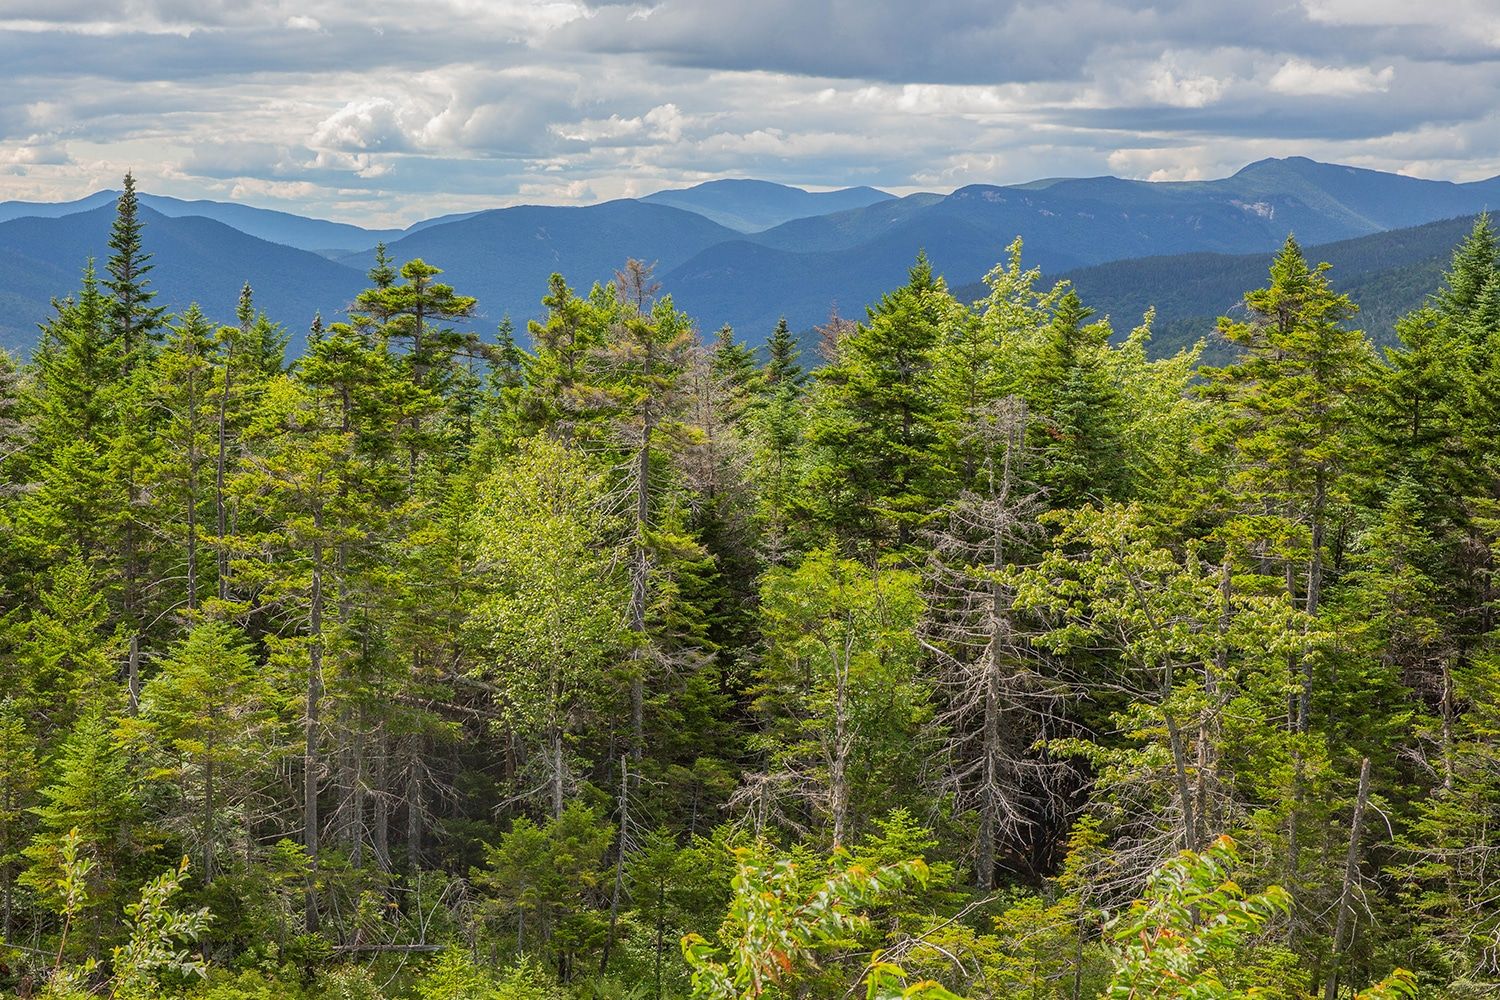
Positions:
{"x": 1386, "y": 274}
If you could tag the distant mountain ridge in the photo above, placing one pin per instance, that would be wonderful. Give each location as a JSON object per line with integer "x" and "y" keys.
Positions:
{"x": 194, "y": 259}
{"x": 1387, "y": 274}
{"x": 751, "y": 206}
{"x": 505, "y": 256}
{"x": 740, "y": 252}
{"x": 318, "y": 235}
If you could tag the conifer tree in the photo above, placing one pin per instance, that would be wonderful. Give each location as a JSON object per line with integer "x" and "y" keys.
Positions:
{"x": 1079, "y": 407}
{"x": 777, "y": 425}
{"x": 178, "y": 478}
{"x": 1289, "y": 417}
{"x": 67, "y": 652}
{"x": 782, "y": 367}
{"x": 644, "y": 363}
{"x": 999, "y": 698}
{"x": 74, "y": 394}
{"x": 206, "y": 714}
{"x": 560, "y": 395}
{"x": 133, "y": 324}
{"x": 93, "y": 793}
{"x": 292, "y": 479}
{"x": 133, "y": 320}
{"x": 546, "y": 882}
{"x": 872, "y": 424}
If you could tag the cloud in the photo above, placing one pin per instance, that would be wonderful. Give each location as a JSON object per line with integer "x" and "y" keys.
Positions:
{"x": 1298, "y": 77}
{"x": 370, "y": 125}
{"x": 375, "y": 116}
{"x": 1171, "y": 86}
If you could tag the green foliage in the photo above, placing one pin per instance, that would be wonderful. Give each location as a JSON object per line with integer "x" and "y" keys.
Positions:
{"x": 545, "y": 882}
{"x": 466, "y": 669}
{"x": 159, "y": 935}
{"x": 1185, "y": 935}
{"x": 1193, "y": 932}
{"x": 839, "y": 680}
{"x": 778, "y": 924}
{"x": 872, "y": 419}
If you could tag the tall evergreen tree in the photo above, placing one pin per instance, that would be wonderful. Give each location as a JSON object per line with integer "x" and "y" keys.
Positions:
{"x": 1290, "y": 416}
{"x": 872, "y": 422}
{"x": 133, "y": 320}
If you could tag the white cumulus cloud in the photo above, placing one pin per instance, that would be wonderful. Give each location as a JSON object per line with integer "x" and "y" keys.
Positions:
{"x": 1298, "y": 76}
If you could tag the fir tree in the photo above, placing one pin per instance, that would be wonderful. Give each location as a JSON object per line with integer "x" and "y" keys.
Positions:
{"x": 133, "y": 320}
{"x": 872, "y": 421}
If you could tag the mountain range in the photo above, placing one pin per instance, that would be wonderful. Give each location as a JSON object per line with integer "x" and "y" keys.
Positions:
{"x": 745, "y": 252}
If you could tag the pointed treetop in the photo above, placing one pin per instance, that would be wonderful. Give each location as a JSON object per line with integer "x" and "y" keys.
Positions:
{"x": 132, "y": 317}
{"x": 244, "y": 311}
{"x": 1476, "y": 262}
{"x": 920, "y": 275}
{"x": 782, "y": 367}
{"x": 383, "y": 274}
{"x": 1298, "y": 292}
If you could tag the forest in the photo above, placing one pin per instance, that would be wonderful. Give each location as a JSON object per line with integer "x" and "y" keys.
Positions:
{"x": 972, "y": 652}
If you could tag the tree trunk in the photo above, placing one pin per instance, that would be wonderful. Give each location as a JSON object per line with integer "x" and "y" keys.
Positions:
{"x": 413, "y": 804}
{"x": 1314, "y": 593}
{"x": 619, "y": 887}
{"x": 989, "y": 807}
{"x": 1447, "y": 710}
{"x": 555, "y": 752}
{"x": 357, "y": 793}
{"x": 661, "y": 929}
{"x": 208, "y": 822}
{"x": 133, "y": 674}
{"x": 310, "y": 762}
{"x": 221, "y": 512}
{"x": 381, "y": 821}
{"x": 7, "y": 877}
{"x": 1351, "y": 873}
{"x": 192, "y": 490}
{"x": 639, "y": 593}
{"x": 1184, "y": 792}
{"x": 1315, "y": 557}
{"x": 1208, "y": 724}
{"x": 838, "y": 764}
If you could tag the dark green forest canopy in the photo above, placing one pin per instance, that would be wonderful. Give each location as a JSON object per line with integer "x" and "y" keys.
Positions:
{"x": 605, "y": 659}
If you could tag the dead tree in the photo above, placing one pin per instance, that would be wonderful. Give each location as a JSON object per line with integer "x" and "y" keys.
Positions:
{"x": 998, "y": 696}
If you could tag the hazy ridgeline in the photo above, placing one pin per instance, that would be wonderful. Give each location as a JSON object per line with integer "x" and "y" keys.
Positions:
{"x": 608, "y": 659}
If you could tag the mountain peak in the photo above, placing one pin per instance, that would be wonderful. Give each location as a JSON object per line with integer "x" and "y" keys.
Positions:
{"x": 1280, "y": 164}
{"x": 751, "y": 206}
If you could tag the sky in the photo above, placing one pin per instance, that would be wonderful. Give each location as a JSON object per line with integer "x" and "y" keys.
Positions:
{"x": 385, "y": 113}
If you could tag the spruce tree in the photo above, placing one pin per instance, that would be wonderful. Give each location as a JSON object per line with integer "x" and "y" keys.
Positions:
{"x": 92, "y": 791}
{"x": 206, "y": 716}
{"x": 133, "y": 320}
{"x": 872, "y": 421}
{"x": 178, "y": 480}
{"x": 1289, "y": 417}
{"x": 782, "y": 367}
